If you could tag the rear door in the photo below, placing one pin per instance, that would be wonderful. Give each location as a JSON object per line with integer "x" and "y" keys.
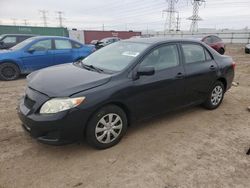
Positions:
{"x": 164, "y": 90}
{"x": 201, "y": 71}
{"x": 63, "y": 51}
{"x": 38, "y": 55}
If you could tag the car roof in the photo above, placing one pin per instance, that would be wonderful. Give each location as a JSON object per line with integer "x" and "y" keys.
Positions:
{"x": 49, "y": 37}
{"x": 155, "y": 40}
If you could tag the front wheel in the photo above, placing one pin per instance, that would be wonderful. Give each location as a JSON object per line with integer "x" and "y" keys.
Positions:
{"x": 106, "y": 127}
{"x": 215, "y": 96}
{"x": 9, "y": 71}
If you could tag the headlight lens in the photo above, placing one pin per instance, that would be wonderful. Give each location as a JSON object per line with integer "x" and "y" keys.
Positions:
{"x": 60, "y": 104}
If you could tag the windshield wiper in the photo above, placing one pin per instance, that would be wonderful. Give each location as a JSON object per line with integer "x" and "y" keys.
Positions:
{"x": 91, "y": 67}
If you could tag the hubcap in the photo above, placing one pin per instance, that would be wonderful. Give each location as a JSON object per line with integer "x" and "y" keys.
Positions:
{"x": 216, "y": 95}
{"x": 108, "y": 128}
{"x": 8, "y": 72}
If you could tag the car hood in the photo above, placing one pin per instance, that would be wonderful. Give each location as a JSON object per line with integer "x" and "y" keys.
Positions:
{"x": 65, "y": 80}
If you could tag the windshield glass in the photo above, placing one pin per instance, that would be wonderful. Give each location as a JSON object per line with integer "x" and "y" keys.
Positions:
{"x": 22, "y": 44}
{"x": 116, "y": 56}
{"x": 1, "y": 36}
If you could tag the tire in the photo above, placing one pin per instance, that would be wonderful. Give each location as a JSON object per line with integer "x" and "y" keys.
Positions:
{"x": 101, "y": 133}
{"x": 247, "y": 51}
{"x": 222, "y": 51}
{"x": 215, "y": 96}
{"x": 9, "y": 71}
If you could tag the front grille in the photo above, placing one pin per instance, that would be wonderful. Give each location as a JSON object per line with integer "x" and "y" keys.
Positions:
{"x": 28, "y": 102}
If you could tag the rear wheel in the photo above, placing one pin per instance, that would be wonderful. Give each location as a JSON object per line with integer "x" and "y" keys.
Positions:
{"x": 9, "y": 71}
{"x": 215, "y": 96}
{"x": 106, "y": 128}
{"x": 221, "y": 51}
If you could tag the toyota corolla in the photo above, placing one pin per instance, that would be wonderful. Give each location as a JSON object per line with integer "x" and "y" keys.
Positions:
{"x": 99, "y": 97}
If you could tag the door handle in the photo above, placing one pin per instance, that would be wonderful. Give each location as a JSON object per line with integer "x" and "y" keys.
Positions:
{"x": 180, "y": 75}
{"x": 212, "y": 67}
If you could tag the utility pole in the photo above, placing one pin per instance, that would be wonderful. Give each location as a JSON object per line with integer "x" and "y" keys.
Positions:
{"x": 195, "y": 17}
{"x": 60, "y": 18}
{"x": 103, "y": 27}
{"x": 178, "y": 22}
{"x": 44, "y": 17}
{"x": 14, "y": 21}
{"x": 25, "y": 22}
{"x": 170, "y": 19}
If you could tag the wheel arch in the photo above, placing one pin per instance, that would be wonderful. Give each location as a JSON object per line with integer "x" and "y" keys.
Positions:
{"x": 13, "y": 62}
{"x": 224, "y": 82}
{"x": 116, "y": 103}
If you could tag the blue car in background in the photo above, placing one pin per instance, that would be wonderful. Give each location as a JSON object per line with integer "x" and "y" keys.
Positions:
{"x": 40, "y": 52}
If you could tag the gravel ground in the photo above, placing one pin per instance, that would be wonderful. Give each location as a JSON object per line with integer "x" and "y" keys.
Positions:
{"x": 189, "y": 148}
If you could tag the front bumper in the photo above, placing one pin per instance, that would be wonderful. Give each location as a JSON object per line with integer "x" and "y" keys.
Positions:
{"x": 56, "y": 129}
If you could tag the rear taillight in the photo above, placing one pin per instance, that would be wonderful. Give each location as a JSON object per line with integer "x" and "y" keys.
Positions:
{"x": 234, "y": 65}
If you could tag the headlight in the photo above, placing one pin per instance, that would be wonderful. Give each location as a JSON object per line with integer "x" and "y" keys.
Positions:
{"x": 60, "y": 104}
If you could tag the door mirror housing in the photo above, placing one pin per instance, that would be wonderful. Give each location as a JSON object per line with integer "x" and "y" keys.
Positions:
{"x": 31, "y": 51}
{"x": 146, "y": 71}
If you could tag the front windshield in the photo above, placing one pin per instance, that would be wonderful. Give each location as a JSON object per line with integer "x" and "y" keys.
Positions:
{"x": 1, "y": 37}
{"x": 115, "y": 57}
{"x": 22, "y": 44}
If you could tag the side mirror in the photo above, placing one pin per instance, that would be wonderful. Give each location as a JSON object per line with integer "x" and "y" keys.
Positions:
{"x": 145, "y": 71}
{"x": 31, "y": 51}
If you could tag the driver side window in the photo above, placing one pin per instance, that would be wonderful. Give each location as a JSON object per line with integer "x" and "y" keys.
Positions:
{"x": 42, "y": 45}
{"x": 162, "y": 58}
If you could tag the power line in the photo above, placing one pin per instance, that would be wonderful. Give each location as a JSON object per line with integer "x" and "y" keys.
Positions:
{"x": 195, "y": 17}
{"x": 170, "y": 19}
{"x": 44, "y": 17}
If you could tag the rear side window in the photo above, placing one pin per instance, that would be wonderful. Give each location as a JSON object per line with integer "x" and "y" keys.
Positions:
{"x": 9, "y": 40}
{"x": 22, "y": 38}
{"x": 62, "y": 44}
{"x": 216, "y": 39}
{"x": 76, "y": 45}
{"x": 193, "y": 53}
{"x": 208, "y": 40}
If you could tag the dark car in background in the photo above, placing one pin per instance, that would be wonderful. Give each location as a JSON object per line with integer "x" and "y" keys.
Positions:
{"x": 247, "y": 49}
{"x": 9, "y": 40}
{"x": 119, "y": 84}
{"x": 215, "y": 42}
{"x": 106, "y": 41}
{"x": 40, "y": 52}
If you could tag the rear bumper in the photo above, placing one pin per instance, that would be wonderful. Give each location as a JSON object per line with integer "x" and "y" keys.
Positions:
{"x": 57, "y": 129}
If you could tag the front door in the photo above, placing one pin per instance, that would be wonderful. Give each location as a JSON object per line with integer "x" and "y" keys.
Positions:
{"x": 164, "y": 90}
{"x": 39, "y": 55}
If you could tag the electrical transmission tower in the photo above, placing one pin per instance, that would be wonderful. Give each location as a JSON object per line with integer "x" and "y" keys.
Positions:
{"x": 195, "y": 17}
{"x": 170, "y": 22}
{"x": 44, "y": 17}
{"x": 60, "y": 18}
{"x": 14, "y": 21}
{"x": 25, "y": 21}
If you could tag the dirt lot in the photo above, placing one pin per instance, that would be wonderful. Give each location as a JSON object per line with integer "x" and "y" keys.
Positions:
{"x": 190, "y": 148}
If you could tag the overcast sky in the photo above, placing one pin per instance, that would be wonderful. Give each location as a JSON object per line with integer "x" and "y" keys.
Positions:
{"x": 124, "y": 14}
